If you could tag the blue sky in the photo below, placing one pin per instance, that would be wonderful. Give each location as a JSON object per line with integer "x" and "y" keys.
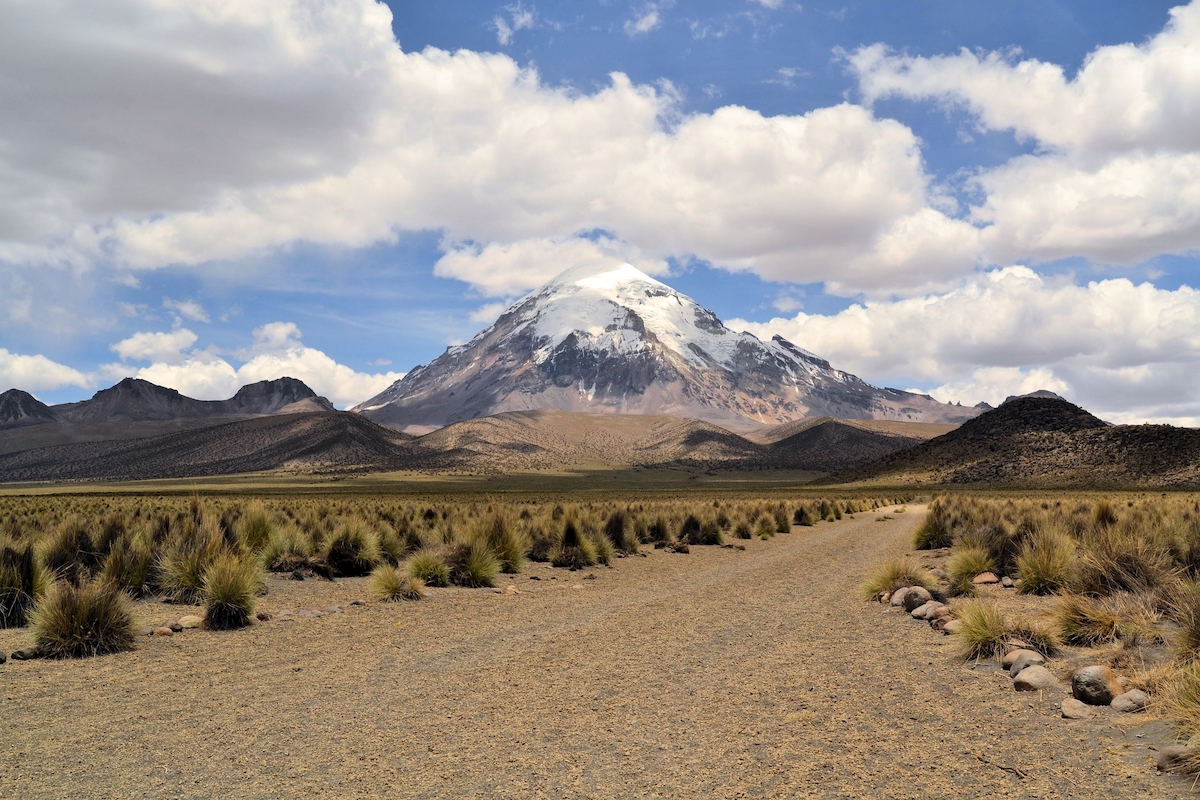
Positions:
{"x": 206, "y": 193}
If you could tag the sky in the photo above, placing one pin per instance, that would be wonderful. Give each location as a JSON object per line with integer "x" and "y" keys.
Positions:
{"x": 968, "y": 199}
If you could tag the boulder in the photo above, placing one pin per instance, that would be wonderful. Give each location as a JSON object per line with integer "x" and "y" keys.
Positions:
{"x": 1073, "y": 709}
{"x": 1174, "y": 758}
{"x": 1034, "y": 679}
{"x": 1027, "y": 659}
{"x": 26, "y": 654}
{"x": 3, "y": 657}
{"x": 897, "y": 598}
{"x": 951, "y": 627}
{"x": 1012, "y": 655}
{"x": 1131, "y": 702}
{"x": 190, "y": 621}
{"x": 916, "y": 596}
{"x": 1095, "y": 685}
{"x": 162, "y": 630}
{"x": 173, "y": 625}
{"x": 985, "y": 579}
{"x": 922, "y": 611}
{"x": 1006, "y": 582}
{"x": 941, "y": 622}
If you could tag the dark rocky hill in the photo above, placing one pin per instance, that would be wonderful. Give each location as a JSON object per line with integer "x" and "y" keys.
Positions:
{"x": 21, "y": 408}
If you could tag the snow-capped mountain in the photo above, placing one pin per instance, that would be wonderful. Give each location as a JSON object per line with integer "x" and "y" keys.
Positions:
{"x": 605, "y": 337}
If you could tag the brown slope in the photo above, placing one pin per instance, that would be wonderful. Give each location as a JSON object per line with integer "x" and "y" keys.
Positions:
{"x": 1043, "y": 442}
{"x": 550, "y": 439}
{"x": 831, "y": 445}
{"x": 313, "y": 441}
{"x": 919, "y": 431}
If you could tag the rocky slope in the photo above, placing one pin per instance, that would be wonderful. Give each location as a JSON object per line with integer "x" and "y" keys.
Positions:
{"x": 18, "y": 408}
{"x": 1044, "y": 442}
{"x": 605, "y": 338}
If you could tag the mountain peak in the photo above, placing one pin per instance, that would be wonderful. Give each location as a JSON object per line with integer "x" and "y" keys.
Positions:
{"x": 604, "y": 337}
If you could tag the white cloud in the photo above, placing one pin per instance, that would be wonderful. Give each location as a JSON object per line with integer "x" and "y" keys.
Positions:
{"x": 306, "y": 122}
{"x": 1113, "y": 346}
{"x": 1116, "y": 173}
{"x": 36, "y": 373}
{"x": 771, "y": 4}
{"x": 158, "y": 347}
{"x": 187, "y": 309}
{"x": 647, "y": 20}
{"x": 275, "y": 352}
{"x": 505, "y": 270}
{"x": 521, "y": 18}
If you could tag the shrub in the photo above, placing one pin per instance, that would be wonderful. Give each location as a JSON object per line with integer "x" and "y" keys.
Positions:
{"x": 182, "y": 564}
{"x": 618, "y": 531}
{"x": 429, "y": 568}
{"x": 1046, "y": 563}
{"x": 69, "y": 553}
{"x": 782, "y": 525}
{"x": 286, "y": 550}
{"x": 765, "y": 527}
{"x": 128, "y": 564}
{"x": 603, "y": 547}
{"x": 353, "y": 549}
{"x": 658, "y": 531}
{"x": 984, "y": 630}
{"x": 1038, "y": 636}
{"x": 22, "y": 582}
{"x": 999, "y": 542}
{"x": 91, "y": 619}
{"x": 936, "y": 529}
{"x": 964, "y": 564}
{"x": 1185, "y": 609}
{"x": 389, "y": 584}
{"x": 895, "y": 574}
{"x": 1183, "y": 709}
{"x": 575, "y": 550}
{"x": 507, "y": 543}
{"x": 742, "y": 530}
{"x": 474, "y": 565}
{"x": 255, "y": 528}
{"x": 1085, "y": 621}
{"x": 231, "y": 584}
{"x": 693, "y": 531}
{"x": 542, "y": 545}
{"x": 391, "y": 547}
{"x": 1116, "y": 560}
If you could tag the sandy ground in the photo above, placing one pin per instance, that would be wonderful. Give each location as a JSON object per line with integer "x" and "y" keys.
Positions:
{"x": 717, "y": 674}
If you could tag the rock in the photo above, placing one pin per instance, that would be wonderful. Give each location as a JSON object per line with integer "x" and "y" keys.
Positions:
{"x": 921, "y": 611}
{"x": 1011, "y": 655}
{"x": 897, "y": 598}
{"x": 1174, "y": 758}
{"x": 173, "y": 625}
{"x": 162, "y": 630}
{"x": 264, "y": 616}
{"x": 941, "y": 622}
{"x": 1034, "y": 679}
{"x": 939, "y": 573}
{"x": 985, "y": 579}
{"x": 916, "y": 596}
{"x": 1095, "y": 685}
{"x": 309, "y": 613}
{"x": 1006, "y": 582}
{"x": 190, "y": 621}
{"x": 297, "y": 575}
{"x": 26, "y": 654}
{"x": 332, "y": 610}
{"x": 3, "y": 657}
{"x": 1027, "y": 659}
{"x": 952, "y": 627}
{"x": 358, "y": 602}
{"x": 1073, "y": 709}
{"x": 1131, "y": 702}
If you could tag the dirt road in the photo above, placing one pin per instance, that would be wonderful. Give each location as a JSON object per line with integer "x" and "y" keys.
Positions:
{"x": 717, "y": 674}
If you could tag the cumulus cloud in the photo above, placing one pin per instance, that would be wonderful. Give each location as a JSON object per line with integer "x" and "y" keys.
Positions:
{"x": 323, "y": 130}
{"x": 275, "y": 352}
{"x": 37, "y": 373}
{"x": 647, "y": 19}
{"x": 1112, "y": 345}
{"x": 1117, "y": 165}
{"x": 157, "y": 347}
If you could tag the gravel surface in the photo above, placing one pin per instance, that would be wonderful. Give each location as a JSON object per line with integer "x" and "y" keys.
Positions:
{"x": 723, "y": 673}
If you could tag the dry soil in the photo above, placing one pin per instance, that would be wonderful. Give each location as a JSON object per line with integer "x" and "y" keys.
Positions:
{"x": 723, "y": 673}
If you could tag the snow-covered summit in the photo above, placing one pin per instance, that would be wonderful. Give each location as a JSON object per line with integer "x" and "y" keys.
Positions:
{"x": 605, "y": 337}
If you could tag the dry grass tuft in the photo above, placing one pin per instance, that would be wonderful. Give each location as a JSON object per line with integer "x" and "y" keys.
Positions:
{"x": 894, "y": 574}
{"x": 92, "y": 619}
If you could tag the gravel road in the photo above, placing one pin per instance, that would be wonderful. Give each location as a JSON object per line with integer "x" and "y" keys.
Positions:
{"x": 722, "y": 673}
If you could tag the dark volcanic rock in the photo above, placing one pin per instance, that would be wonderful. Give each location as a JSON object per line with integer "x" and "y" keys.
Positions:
{"x": 21, "y": 408}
